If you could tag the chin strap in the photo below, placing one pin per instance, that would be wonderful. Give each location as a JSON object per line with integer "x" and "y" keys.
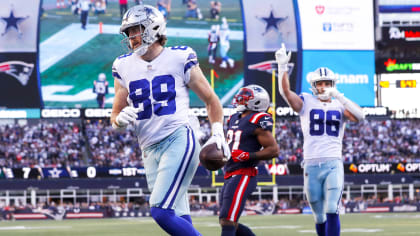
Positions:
{"x": 351, "y": 107}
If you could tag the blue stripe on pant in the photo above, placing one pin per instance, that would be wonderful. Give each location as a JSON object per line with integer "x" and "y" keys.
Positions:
{"x": 170, "y": 166}
{"x": 169, "y": 199}
{"x": 323, "y": 185}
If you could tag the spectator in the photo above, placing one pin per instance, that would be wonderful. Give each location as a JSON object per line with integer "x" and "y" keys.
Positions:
{"x": 100, "y": 7}
{"x": 164, "y": 6}
{"x": 192, "y": 10}
{"x": 61, "y": 4}
{"x": 123, "y": 7}
{"x": 215, "y": 8}
{"x": 75, "y": 7}
{"x": 84, "y": 7}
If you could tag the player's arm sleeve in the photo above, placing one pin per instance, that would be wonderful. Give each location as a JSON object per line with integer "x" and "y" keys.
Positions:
{"x": 116, "y": 74}
{"x": 190, "y": 60}
{"x": 262, "y": 120}
{"x": 303, "y": 96}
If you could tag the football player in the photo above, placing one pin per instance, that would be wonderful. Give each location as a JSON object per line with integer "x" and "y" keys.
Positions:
{"x": 250, "y": 139}
{"x": 100, "y": 87}
{"x": 322, "y": 121}
{"x": 151, "y": 92}
{"x": 213, "y": 40}
{"x": 225, "y": 45}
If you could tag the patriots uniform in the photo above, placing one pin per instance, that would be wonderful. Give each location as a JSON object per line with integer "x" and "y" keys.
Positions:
{"x": 101, "y": 89}
{"x": 241, "y": 136}
{"x": 159, "y": 88}
{"x": 240, "y": 180}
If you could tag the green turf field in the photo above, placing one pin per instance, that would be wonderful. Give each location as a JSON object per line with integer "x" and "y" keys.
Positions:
{"x": 352, "y": 224}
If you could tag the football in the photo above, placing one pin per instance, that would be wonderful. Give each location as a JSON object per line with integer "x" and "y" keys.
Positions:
{"x": 212, "y": 158}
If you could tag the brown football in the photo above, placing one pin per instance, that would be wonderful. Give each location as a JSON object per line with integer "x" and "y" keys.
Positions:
{"x": 212, "y": 158}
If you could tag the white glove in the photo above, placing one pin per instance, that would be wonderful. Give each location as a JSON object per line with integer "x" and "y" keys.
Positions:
{"x": 283, "y": 58}
{"x": 126, "y": 116}
{"x": 218, "y": 137}
{"x": 332, "y": 92}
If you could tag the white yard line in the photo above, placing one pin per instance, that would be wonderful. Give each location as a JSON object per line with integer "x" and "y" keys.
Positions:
{"x": 63, "y": 43}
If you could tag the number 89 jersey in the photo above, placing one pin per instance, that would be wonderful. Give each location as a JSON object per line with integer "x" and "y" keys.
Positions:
{"x": 159, "y": 88}
{"x": 322, "y": 126}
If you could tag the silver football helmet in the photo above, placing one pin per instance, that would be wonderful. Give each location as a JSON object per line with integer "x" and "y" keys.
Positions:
{"x": 102, "y": 77}
{"x": 321, "y": 74}
{"x": 151, "y": 23}
{"x": 252, "y": 97}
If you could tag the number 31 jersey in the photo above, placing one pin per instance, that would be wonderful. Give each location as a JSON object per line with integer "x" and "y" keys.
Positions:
{"x": 159, "y": 89}
{"x": 322, "y": 126}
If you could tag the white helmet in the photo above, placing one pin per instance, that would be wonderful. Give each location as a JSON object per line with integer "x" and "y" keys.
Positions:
{"x": 224, "y": 25}
{"x": 102, "y": 77}
{"x": 151, "y": 22}
{"x": 321, "y": 74}
{"x": 252, "y": 97}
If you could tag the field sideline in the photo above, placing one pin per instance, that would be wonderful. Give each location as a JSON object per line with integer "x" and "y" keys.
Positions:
{"x": 352, "y": 224}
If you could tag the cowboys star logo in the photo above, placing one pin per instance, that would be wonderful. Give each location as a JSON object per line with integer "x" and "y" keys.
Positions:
{"x": 18, "y": 69}
{"x": 272, "y": 22}
{"x": 12, "y": 22}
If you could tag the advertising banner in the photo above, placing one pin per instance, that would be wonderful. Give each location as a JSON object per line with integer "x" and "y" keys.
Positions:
{"x": 401, "y": 35}
{"x": 354, "y": 70}
{"x": 19, "y": 54}
{"x": 266, "y": 27}
{"x": 398, "y": 65}
{"x": 337, "y": 25}
{"x": 269, "y": 25}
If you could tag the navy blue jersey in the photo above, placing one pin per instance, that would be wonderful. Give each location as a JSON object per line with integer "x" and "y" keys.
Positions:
{"x": 241, "y": 135}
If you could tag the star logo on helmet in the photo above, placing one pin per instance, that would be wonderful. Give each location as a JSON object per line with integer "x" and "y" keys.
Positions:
{"x": 149, "y": 11}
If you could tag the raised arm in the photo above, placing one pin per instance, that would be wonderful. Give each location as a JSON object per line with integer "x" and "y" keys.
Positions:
{"x": 282, "y": 58}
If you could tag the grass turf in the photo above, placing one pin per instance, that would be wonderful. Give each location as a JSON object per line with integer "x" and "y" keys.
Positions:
{"x": 351, "y": 224}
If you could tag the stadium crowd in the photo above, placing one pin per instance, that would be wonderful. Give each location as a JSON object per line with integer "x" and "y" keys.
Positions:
{"x": 44, "y": 144}
{"x": 93, "y": 142}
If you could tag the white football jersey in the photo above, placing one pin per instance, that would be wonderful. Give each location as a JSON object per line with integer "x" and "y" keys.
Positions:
{"x": 322, "y": 126}
{"x": 224, "y": 37}
{"x": 159, "y": 88}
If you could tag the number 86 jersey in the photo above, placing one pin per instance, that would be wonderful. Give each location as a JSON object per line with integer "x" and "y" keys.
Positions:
{"x": 322, "y": 126}
{"x": 159, "y": 89}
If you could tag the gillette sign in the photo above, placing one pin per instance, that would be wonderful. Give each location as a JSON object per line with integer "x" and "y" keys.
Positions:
{"x": 401, "y": 34}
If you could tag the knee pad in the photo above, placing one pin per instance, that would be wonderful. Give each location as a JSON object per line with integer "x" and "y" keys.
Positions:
{"x": 320, "y": 218}
{"x": 318, "y": 212}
